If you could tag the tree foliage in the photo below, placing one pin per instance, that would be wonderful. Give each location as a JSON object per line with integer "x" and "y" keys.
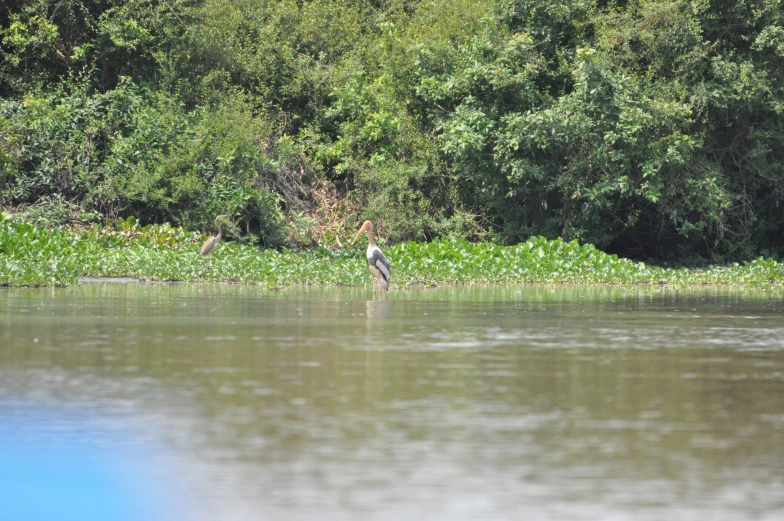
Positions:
{"x": 649, "y": 128}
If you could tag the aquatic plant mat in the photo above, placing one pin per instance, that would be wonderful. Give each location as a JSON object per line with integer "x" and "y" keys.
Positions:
{"x": 34, "y": 256}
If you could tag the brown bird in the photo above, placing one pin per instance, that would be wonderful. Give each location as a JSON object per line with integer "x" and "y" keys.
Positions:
{"x": 378, "y": 264}
{"x": 210, "y": 243}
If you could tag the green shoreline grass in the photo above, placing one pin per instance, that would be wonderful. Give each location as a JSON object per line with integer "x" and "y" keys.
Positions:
{"x": 33, "y": 256}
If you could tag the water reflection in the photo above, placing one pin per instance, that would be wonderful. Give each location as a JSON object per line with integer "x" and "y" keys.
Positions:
{"x": 56, "y": 465}
{"x": 376, "y": 309}
{"x": 458, "y": 403}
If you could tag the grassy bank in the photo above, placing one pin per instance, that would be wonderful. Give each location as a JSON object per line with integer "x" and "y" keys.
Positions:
{"x": 33, "y": 256}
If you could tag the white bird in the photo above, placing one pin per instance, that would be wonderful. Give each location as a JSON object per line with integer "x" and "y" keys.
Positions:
{"x": 378, "y": 264}
{"x": 210, "y": 243}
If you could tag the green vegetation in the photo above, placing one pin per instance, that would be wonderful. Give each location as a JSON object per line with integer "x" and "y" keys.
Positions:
{"x": 33, "y": 256}
{"x": 652, "y": 129}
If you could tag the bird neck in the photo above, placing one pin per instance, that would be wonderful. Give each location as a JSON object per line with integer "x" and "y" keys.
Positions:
{"x": 371, "y": 243}
{"x": 220, "y": 232}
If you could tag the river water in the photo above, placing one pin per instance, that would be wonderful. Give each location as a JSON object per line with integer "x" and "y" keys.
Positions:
{"x": 480, "y": 403}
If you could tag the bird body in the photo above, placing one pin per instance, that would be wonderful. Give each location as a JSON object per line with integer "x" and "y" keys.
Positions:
{"x": 377, "y": 262}
{"x": 379, "y": 266}
{"x": 210, "y": 243}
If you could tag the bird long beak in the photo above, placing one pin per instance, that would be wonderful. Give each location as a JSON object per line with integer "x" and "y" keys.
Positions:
{"x": 362, "y": 230}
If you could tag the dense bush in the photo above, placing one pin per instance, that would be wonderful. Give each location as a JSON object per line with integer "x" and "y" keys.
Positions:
{"x": 130, "y": 151}
{"x": 649, "y": 128}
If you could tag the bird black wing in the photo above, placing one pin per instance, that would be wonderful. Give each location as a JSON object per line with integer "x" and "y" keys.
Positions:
{"x": 381, "y": 263}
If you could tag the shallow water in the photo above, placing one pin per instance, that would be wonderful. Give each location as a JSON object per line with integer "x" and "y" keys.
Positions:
{"x": 519, "y": 403}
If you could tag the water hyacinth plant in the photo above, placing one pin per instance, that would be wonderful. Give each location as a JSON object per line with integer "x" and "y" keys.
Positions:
{"x": 34, "y": 256}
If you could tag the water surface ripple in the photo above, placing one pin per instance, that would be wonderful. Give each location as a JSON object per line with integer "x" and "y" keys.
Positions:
{"x": 497, "y": 403}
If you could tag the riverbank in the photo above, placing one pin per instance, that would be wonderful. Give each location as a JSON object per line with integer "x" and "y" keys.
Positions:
{"x": 33, "y": 256}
